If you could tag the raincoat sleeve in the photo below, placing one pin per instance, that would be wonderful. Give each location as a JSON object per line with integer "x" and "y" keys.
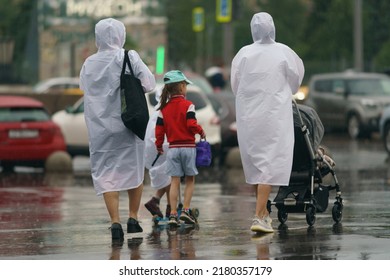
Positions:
{"x": 192, "y": 123}
{"x": 235, "y": 75}
{"x": 142, "y": 72}
{"x": 160, "y": 132}
{"x": 296, "y": 68}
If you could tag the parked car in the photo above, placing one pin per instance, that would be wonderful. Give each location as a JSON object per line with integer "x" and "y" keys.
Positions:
{"x": 349, "y": 100}
{"x": 75, "y": 132}
{"x": 73, "y": 127}
{"x": 27, "y": 134}
{"x": 224, "y": 105}
{"x": 384, "y": 128}
{"x": 66, "y": 85}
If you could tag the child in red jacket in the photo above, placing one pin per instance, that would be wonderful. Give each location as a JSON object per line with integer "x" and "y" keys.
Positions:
{"x": 177, "y": 121}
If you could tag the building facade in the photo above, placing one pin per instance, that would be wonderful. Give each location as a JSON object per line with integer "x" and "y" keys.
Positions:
{"x": 66, "y": 31}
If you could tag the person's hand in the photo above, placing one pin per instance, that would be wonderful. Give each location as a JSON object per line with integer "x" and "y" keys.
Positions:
{"x": 160, "y": 150}
{"x": 203, "y": 135}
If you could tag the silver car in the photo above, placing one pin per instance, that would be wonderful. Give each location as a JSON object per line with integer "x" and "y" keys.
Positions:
{"x": 350, "y": 100}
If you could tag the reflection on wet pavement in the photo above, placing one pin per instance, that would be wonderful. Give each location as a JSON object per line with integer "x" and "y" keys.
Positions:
{"x": 58, "y": 216}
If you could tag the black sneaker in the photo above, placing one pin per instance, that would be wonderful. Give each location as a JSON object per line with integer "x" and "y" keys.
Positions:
{"x": 168, "y": 211}
{"x": 117, "y": 232}
{"x": 187, "y": 217}
{"x": 153, "y": 206}
{"x": 133, "y": 226}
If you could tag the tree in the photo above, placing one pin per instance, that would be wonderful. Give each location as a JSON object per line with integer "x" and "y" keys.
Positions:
{"x": 376, "y": 21}
{"x": 14, "y": 25}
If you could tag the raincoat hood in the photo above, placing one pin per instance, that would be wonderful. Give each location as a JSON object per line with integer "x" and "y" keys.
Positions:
{"x": 110, "y": 34}
{"x": 263, "y": 28}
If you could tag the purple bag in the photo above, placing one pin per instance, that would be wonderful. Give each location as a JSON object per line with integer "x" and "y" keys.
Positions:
{"x": 203, "y": 154}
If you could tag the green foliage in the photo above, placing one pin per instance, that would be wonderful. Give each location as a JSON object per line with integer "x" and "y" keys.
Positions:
{"x": 15, "y": 22}
{"x": 376, "y": 20}
{"x": 320, "y": 31}
{"x": 382, "y": 59}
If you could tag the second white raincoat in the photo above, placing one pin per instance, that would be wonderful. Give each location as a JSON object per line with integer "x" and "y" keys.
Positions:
{"x": 116, "y": 154}
{"x": 264, "y": 76}
{"x": 157, "y": 173}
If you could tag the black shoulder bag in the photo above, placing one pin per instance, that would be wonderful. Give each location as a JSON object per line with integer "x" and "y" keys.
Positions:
{"x": 134, "y": 109}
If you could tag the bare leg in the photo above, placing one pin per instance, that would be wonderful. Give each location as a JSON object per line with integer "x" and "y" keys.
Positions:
{"x": 173, "y": 193}
{"x": 167, "y": 190}
{"x": 262, "y": 195}
{"x": 188, "y": 191}
{"x": 160, "y": 193}
{"x": 112, "y": 203}
{"x": 135, "y": 201}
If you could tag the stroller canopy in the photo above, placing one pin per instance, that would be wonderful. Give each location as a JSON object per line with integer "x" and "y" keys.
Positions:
{"x": 312, "y": 121}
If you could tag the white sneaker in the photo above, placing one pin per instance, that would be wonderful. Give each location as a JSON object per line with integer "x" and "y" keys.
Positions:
{"x": 268, "y": 220}
{"x": 262, "y": 225}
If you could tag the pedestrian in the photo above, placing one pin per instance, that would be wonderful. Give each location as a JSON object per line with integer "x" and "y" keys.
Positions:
{"x": 159, "y": 180}
{"x": 116, "y": 153}
{"x": 264, "y": 76}
{"x": 177, "y": 120}
{"x": 216, "y": 78}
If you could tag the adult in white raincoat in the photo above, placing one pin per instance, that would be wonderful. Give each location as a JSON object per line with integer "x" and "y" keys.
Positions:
{"x": 116, "y": 154}
{"x": 159, "y": 180}
{"x": 264, "y": 75}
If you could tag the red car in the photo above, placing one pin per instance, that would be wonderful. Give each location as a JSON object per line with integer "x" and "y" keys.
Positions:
{"x": 28, "y": 136}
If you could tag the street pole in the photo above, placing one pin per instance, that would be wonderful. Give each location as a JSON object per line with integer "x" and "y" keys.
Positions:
{"x": 198, "y": 27}
{"x": 224, "y": 15}
{"x": 199, "y": 61}
{"x": 358, "y": 36}
{"x": 228, "y": 44}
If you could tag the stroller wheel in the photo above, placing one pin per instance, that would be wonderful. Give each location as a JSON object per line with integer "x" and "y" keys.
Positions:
{"x": 310, "y": 215}
{"x": 282, "y": 215}
{"x": 337, "y": 212}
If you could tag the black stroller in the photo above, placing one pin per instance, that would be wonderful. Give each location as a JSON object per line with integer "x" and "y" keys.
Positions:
{"x": 306, "y": 191}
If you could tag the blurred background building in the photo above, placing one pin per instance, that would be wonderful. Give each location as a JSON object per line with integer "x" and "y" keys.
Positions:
{"x": 60, "y": 36}
{"x": 50, "y": 38}
{"x": 66, "y": 31}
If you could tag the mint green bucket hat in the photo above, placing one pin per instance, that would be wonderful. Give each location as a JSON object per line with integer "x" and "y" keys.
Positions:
{"x": 175, "y": 76}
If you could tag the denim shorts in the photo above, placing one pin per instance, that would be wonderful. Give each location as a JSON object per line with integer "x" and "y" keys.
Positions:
{"x": 181, "y": 162}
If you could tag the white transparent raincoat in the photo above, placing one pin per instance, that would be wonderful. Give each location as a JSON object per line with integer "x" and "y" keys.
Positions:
{"x": 157, "y": 173}
{"x": 116, "y": 154}
{"x": 264, "y": 75}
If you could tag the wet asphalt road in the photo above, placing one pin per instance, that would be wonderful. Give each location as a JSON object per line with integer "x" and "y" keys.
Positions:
{"x": 58, "y": 216}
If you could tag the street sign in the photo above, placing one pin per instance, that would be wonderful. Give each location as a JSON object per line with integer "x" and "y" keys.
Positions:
{"x": 224, "y": 11}
{"x": 198, "y": 19}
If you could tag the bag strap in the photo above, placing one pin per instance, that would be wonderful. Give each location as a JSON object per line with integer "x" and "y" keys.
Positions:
{"x": 126, "y": 60}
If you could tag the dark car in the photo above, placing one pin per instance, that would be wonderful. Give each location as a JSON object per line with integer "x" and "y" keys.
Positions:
{"x": 28, "y": 136}
{"x": 350, "y": 101}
